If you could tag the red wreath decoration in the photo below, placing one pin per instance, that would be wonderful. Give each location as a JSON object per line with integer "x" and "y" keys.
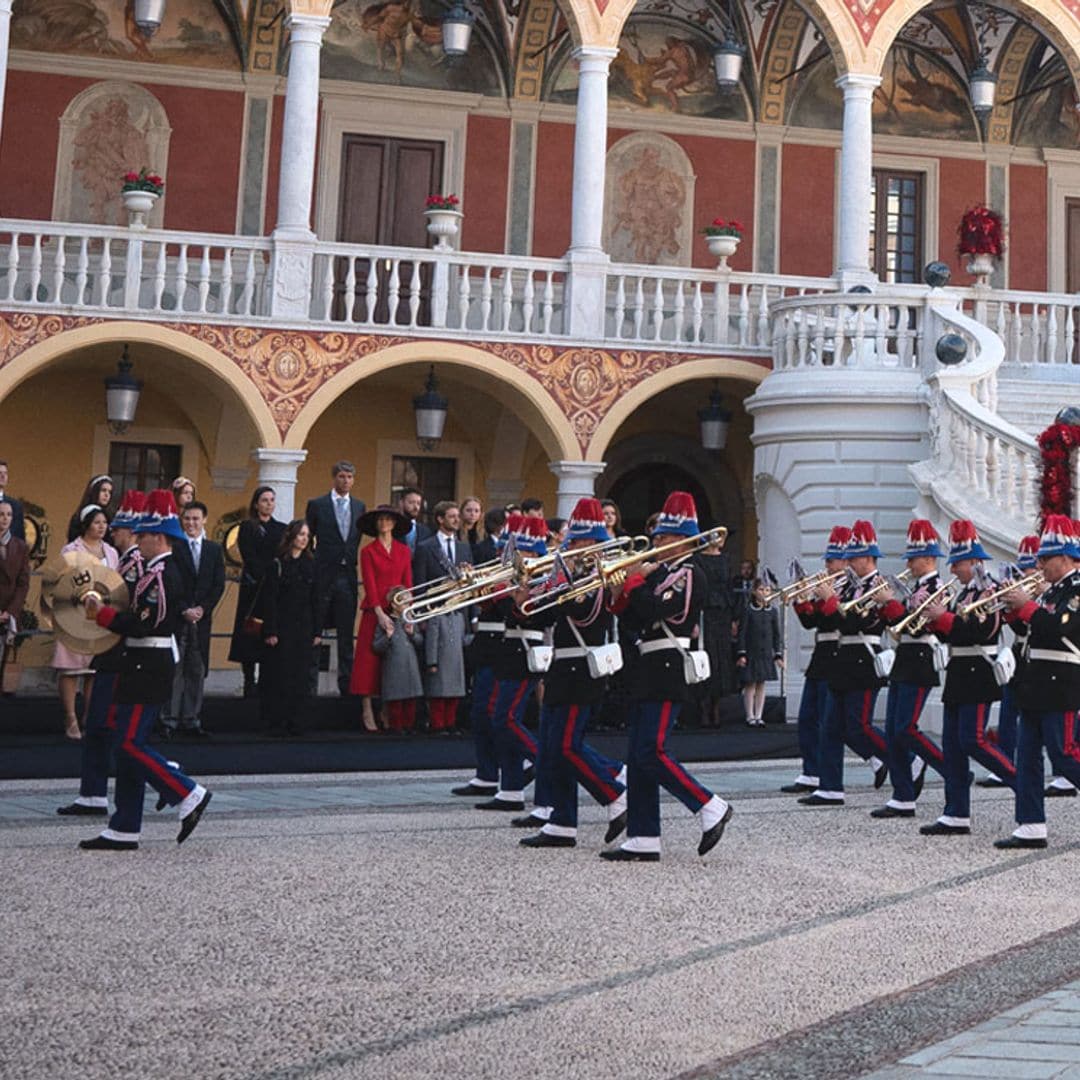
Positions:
{"x": 981, "y": 232}
{"x": 1056, "y": 444}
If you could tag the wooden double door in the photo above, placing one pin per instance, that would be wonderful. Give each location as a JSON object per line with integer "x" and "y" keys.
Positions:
{"x": 384, "y": 184}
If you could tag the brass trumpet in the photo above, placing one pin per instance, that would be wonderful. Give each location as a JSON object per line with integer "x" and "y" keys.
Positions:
{"x": 609, "y": 575}
{"x": 995, "y": 601}
{"x": 862, "y": 604}
{"x": 795, "y": 590}
{"x": 915, "y": 621}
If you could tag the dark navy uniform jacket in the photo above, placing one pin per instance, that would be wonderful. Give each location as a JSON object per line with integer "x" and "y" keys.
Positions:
{"x": 674, "y": 598}
{"x": 826, "y": 642}
{"x": 969, "y": 678}
{"x": 510, "y": 660}
{"x": 859, "y": 634}
{"x": 130, "y": 568}
{"x": 914, "y": 664}
{"x": 1050, "y": 680}
{"x": 146, "y": 674}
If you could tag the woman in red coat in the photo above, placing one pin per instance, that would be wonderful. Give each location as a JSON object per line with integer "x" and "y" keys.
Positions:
{"x": 385, "y": 564}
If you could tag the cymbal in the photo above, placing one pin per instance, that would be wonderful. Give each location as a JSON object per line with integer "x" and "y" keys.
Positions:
{"x": 66, "y": 582}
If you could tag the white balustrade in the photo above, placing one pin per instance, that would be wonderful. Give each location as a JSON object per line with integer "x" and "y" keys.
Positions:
{"x": 1037, "y": 328}
{"x": 94, "y": 268}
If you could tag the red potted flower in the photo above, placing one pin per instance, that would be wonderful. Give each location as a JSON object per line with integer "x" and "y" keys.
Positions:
{"x": 981, "y": 240}
{"x": 443, "y": 213}
{"x": 722, "y": 236}
{"x": 140, "y": 190}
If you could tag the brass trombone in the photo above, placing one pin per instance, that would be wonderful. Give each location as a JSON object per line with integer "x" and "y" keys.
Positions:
{"x": 796, "y": 589}
{"x": 995, "y": 601}
{"x": 915, "y": 621}
{"x": 861, "y": 604}
{"x": 613, "y": 573}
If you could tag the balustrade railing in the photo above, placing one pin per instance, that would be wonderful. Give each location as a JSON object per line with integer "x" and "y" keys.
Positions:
{"x": 101, "y": 268}
{"x": 1037, "y": 328}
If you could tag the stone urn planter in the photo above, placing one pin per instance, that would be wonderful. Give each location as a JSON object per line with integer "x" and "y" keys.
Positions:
{"x": 722, "y": 247}
{"x": 138, "y": 205}
{"x": 444, "y": 225}
{"x": 980, "y": 266}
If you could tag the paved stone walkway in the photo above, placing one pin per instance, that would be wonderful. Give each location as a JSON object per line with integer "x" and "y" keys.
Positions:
{"x": 372, "y": 926}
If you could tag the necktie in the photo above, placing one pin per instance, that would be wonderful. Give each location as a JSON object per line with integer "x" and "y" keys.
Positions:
{"x": 195, "y": 554}
{"x": 343, "y": 518}
{"x": 449, "y": 552}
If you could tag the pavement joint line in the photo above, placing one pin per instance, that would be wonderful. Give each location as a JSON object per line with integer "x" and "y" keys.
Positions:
{"x": 536, "y": 1002}
{"x": 846, "y": 1045}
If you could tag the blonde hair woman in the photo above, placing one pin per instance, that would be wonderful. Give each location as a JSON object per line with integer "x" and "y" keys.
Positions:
{"x": 472, "y": 522}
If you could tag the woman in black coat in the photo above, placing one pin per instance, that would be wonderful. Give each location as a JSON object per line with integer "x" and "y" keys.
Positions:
{"x": 290, "y": 631}
{"x": 718, "y": 619}
{"x": 259, "y": 539}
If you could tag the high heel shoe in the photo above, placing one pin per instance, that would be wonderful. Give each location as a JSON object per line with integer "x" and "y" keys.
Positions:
{"x": 71, "y": 728}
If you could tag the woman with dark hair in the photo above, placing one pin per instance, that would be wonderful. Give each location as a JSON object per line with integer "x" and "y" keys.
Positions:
{"x": 290, "y": 631}
{"x": 612, "y": 518}
{"x": 98, "y": 492}
{"x": 72, "y": 667}
{"x": 258, "y": 539}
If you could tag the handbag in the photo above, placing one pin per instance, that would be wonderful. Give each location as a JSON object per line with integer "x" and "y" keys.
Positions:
{"x": 696, "y": 666}
{"x": 602, "y": 660}
{"x": 252, "y": 625}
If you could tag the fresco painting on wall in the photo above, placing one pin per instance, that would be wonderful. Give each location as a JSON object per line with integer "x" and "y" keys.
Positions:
{"x": 1049, "y": 117}
{"x": 193, "y": 34}
{"x": 918, "y": 97}
{"x": 649, "y": 190}
{"x": 392, "y": 42}
{"x": 662, "y": 66}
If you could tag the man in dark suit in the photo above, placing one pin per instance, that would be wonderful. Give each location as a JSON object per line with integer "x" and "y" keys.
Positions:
{"x": 18, "y": 527}
{"x": 488, "y": 548}
{"x": 332, "y": 520}
{"x": 201, "y": 566}
{"x": 14, "y": 578}
{"x": 410, "y": 503}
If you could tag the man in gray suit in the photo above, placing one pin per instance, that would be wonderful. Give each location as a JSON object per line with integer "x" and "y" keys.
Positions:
{"x": 332, "y": 520}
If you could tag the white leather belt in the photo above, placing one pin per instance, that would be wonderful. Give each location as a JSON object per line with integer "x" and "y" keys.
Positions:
{"x": 525, "y": 635}
{"x": 663, "y": 643}
{"x": 858, "y": 639}
{"x": 574, "y": 652}
{"x": 907, "y": 639}
{"x": 826, "y": 635}
{"x": 491, "y": 627}
{"x": 985, "y": 651}
{"x": 1057, "y": 656}
{"x": 150, "y": 642}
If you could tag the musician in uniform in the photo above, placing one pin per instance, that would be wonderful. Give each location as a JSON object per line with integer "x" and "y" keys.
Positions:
{"x": 914, "y": 673}
{"x": 515, "y": 684}
{"x": 93, "y": 798}
{"x": 970, "y": 683}
{"x": 148, "y": 661}
{"x": 1049, "y": 687}
{"x": 852, "y": 677}
{"x": 571, "y": 693}
{"x": 663, "y": 601}
{"x": 816, "y": 701}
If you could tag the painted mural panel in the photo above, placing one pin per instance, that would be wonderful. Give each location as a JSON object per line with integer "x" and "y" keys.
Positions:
{"x": 918, "y": 97}
{"x": 392, "y": 42}
{"x": 1049, "y": 116}
{"x": 664, "y": 66}
{"x": 192, "y": 33}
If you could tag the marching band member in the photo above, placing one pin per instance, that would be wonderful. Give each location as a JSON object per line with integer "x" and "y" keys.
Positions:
{"x": 913, "y": 675}
{"x": 93, "y": 798}
{"x": 1049, "y": 685}
{"x": 570, "y": 694}
{"x": 515, "y": 684}
{"x": 663, "y": 601}
{"x": 970, "y": 685}
{"x": 852, "y": 679}
{"x": 815, "y": 701}
{"x": 145, "y": 684}
{"x": 1059, "y": 787}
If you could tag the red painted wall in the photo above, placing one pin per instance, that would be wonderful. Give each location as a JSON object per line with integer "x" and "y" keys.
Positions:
{"x": 553, "y": 185}
{"x": 963, "y": 185}
{"x": 487, "y": 167}
{"x": 273, "y": 165}
{"x": 204, "y": 157}
{"x": 1027, "y": 228}
{"x": 807, "y": 198}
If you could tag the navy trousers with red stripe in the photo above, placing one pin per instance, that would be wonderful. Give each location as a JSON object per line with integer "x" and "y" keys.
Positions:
{"x": 513, "y": 740}
{"x": 815, "y": 702}
{"x": 96, "y": 747}
{"x": 849, "y": 720}
{"x": 1008, "y": 718}
{"x": 964, "y": 736}
{"x": 138, "y": 764}
{"x": 568, "y": 760}
{"x": 1057, "y": 732}
{"x": 903, "y": 707}
{"x": 650, "y": 766}
{"x": 481, "y": 707}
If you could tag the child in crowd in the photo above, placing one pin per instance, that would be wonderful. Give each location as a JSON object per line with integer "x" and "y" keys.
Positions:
{"x": 759, "y": 651}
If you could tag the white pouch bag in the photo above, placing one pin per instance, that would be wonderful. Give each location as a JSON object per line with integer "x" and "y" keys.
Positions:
{"x": 602, "y": 660}
{"x": 538, "y": 658}
{"x": 883, "y": 663}
{"x": 696, "y": 666}
{"x": 1004, "y": 666}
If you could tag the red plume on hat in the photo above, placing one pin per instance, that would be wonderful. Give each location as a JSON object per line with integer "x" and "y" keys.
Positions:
{"x": 679, "y": 516}
{"x": 536, "y": 528}
{"x": 160, "y": 515}
{"x": 964, "y": 542}
{"x": 514, "y": 522}
{"x": 840, "y": 535}
{"x": 921, "y": 531}
{"x": 133, "y": 502}
{"x": 862, "y": 532}
{"x": 680, "y": 504}
{"x": 1058, "y": 537}
{"x": 963, "y": 532}
{"x": 588, "y": 509}
{"x": 1029, "y": 545}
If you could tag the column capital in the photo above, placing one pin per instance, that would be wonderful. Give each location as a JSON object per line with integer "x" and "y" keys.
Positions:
{"x": 307, "y": 28}
{"x": 594, "y": 56}
{"x": 579, "y": 470}
{"x": 275, "y": 455}
{"x": 858, "y": 83}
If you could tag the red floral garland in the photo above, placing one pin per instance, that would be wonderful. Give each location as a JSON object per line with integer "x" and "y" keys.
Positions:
{"x": 981, "y": 232}
{"x": 1056, "y": 444}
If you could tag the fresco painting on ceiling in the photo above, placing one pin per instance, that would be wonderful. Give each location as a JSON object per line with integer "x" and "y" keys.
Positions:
{"x": 192, "y": 34}
{"x": 662, "y": 66}
{"x": 1049, "y": 116}
{"x": 391, "y": 42}
{"x": 917, "y": 97}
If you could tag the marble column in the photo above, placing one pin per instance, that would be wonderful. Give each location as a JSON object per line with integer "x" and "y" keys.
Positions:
{"x": 856, "y": 165}
{"x": 277, "y": 469}
{"x": 587, "y": 280}
{"x": 577, "y": 479}
{"x": 5, "y": 35}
